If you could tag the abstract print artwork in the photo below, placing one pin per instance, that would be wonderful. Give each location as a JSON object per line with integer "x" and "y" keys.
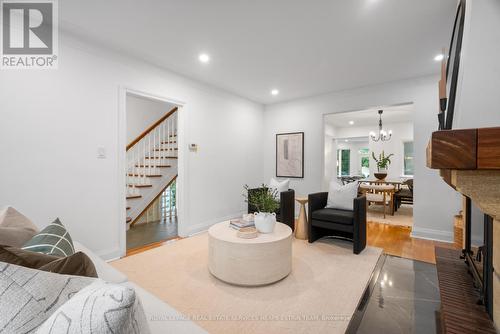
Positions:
{"x": 290, "y": 154}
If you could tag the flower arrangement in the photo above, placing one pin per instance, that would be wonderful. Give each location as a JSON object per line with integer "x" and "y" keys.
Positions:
{"x": 383, "y": 161}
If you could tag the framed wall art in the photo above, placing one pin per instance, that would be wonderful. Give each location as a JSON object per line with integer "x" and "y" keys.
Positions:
{"x": 290, "y": 154}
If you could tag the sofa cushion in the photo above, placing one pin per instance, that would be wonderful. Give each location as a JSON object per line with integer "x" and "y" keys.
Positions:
{"x": 103, "y": 269}
{"x": 100, "y": 307}
{"x": 342, "y": 196}
{"x": 15, "y": 228}
{"x": 30, "y": 296}
{"x": 54, "y": 239}
{"x": 334, "y": 215}
{"x": 280, "y": 186}
{"x": 162, "y": 317}
{"x": 76, "y": 264}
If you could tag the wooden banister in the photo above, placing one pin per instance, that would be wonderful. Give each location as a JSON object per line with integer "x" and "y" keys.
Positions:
{"x": 151, "y": 128}
{"x": 154, "y": 200}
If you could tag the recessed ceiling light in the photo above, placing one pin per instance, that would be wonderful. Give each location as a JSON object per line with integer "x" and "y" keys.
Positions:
{"x": 204, "y": 58}
{"x": 351, "y": 122}
{"x": 275, "y": 92}
{"x": 347, "y": 140}
{"x": 439, "y": 57}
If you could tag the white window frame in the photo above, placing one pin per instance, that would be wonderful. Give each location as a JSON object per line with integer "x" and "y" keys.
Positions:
{"x": 403, "y": 165}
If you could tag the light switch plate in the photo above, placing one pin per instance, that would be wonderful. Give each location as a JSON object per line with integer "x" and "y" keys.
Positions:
{"x": 101, "y": 152}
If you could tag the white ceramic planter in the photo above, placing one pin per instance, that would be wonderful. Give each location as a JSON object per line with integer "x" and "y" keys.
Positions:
{"x": 265, "y": 221}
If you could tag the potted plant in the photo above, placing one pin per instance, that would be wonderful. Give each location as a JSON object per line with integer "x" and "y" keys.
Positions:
{"x": 264, "y": 201}
{"x": 383, "y": 163}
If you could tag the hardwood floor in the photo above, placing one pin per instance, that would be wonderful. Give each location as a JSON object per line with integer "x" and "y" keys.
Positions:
{"x": 141, "y": 249}
{"x": 396, "y": 240}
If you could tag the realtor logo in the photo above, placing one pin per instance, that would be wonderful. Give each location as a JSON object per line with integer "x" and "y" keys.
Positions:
{"x": 29, "y": 34}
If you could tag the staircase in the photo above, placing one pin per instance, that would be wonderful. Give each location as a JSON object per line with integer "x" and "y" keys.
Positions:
{"x": 151, "y": 165}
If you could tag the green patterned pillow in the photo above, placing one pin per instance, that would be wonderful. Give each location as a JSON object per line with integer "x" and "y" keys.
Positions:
{"x": 52, "y": 240}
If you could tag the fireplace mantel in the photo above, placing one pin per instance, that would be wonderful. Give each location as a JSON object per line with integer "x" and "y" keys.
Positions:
{"x": 469, "y": 161}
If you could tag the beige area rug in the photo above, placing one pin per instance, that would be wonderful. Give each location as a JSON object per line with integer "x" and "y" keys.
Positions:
{"x": 402, "y": 217}
{"x": 319, "y": 296}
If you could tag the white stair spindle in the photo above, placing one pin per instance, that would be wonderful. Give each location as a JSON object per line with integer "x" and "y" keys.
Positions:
{"x": 154, "y": 150}
{"x": 142, "y": 158}
{"x": 133, "y": 171}
{"x": 168, "y": 137}
{"x": 165, "y": 134}
{"x": 155, "y": 136}
{"x": 149, "y": 153}
{"x": 176, "y": 142}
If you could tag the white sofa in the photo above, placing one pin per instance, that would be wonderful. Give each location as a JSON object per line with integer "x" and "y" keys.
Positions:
{"x": 162, "y": 318}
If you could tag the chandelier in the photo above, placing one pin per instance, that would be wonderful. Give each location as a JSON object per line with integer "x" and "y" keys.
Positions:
{"x": 382, "y": 134}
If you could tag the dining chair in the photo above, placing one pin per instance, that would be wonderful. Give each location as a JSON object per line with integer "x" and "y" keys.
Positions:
{"x": 379, "y": 194}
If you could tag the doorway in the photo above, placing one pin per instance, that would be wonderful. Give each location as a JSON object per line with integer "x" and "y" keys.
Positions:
{"x": 151, "y": 163}
{"x": 351, "y": 154}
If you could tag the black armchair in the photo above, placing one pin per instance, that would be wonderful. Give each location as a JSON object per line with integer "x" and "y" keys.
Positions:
{"x": 341, "y": 223}
{"x": 286, "y": 212}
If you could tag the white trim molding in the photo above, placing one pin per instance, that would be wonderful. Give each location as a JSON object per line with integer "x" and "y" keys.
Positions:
{"x": 122, "y": 164}
{"x": 202, "y": 227}
{"x": 430, "y": 234}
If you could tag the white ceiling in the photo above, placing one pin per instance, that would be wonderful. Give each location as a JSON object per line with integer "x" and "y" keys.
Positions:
{"x": 302, "y": 48}
{"x": 370, "y": 117}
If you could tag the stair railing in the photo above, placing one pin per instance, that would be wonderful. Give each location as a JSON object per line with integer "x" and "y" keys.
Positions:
{"x": 148, "y": 151}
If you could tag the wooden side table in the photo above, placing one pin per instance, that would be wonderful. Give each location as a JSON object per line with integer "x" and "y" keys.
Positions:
{"x": 301, "y": 224}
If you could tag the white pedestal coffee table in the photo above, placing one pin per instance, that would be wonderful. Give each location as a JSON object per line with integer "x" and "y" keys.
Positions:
{"x": 259, "y": 261}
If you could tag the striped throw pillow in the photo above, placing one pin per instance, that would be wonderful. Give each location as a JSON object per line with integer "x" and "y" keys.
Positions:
{"x": 53, "y": 240}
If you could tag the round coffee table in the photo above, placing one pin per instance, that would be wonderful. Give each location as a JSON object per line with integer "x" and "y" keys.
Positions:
{"x": 259, "y": 261}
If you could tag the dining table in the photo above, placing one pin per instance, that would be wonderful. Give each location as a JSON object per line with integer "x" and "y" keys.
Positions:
{"x": 395, "y": 182}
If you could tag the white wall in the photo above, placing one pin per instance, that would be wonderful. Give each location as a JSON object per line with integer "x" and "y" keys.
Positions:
{"x": 478, "y": 95}
{"x": 142, "y": 113}
{"x": 52, "y": 122}
{"x": 435, "y": 202}
{"x": 330, "y": 153}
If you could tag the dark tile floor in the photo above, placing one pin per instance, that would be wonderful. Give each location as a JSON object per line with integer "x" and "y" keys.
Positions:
{"x": 405, "y": 299}
{"x": 144, "y": 234}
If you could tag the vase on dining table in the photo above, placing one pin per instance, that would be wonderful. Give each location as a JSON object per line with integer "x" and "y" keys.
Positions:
{"x": 381, "y": 174}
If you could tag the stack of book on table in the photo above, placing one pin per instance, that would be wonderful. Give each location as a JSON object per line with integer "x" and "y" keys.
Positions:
{"x": 238, "y": 224}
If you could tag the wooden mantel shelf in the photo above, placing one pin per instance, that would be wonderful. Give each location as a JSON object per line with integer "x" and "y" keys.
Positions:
{"x": 467, "y": 149}
{"x": 469, "y": 161}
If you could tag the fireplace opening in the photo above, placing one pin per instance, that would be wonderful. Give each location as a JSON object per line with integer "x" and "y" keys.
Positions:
{"x": 479, "y": 258}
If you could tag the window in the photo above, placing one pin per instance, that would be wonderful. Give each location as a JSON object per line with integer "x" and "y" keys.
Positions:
{"x": 365, "y": 161}
{"x": 409, "y": 167}
{"x": 343, "y": 162}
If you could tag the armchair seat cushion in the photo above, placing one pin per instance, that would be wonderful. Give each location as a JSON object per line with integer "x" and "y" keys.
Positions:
{"x": 334, "y": 215}
{"x": 375, "y": 197}
{"x": 404, "y": 193}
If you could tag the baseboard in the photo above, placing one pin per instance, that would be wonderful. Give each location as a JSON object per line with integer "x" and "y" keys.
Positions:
{"x": 109, "y": 254}
{"x": 201, "y": 227}
{"x": 430, "y": 234}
